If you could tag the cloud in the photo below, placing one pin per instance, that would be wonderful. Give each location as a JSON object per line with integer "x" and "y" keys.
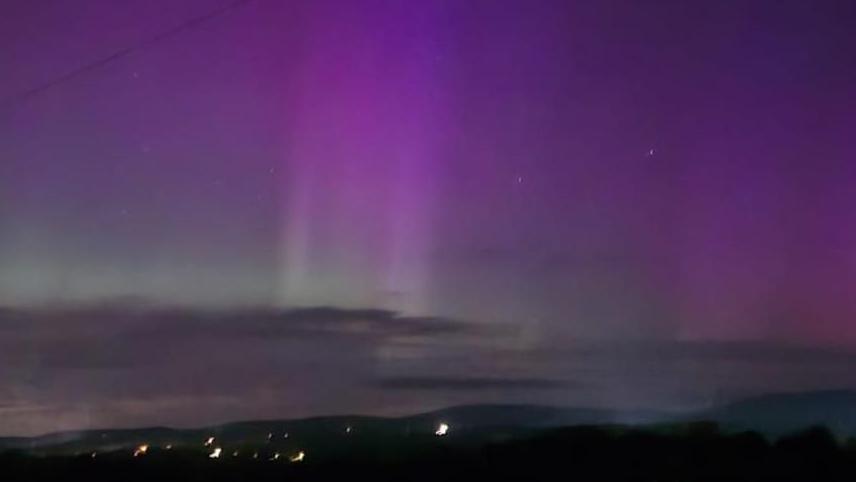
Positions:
{"x": 473, "y": 383}
{"x": 89, "y": 361}
{"x": 707, "y": 351}
{"x": 85, "y": 351}
{"x": 325, "y": 321}
{"x": 138, "y": 320}
{"x": 93, "y": 358}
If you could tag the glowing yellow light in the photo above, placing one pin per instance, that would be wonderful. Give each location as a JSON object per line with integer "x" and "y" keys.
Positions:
{"x": 298, "y": 457}
{"x": 442, "y": 430}
{"x": 209, "y": 442}
{"x": 141, "y": 450}
{"x": 215, "y": 454}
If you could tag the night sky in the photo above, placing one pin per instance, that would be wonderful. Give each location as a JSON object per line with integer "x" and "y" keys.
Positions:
{"x": 214, "y": 210}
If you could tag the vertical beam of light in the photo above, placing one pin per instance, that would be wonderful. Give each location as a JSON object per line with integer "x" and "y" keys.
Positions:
{"x": 361, "y": 161}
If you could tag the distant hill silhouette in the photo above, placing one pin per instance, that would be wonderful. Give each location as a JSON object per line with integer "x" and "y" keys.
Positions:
{"x": 472, "y": 421}
{"x": 773, "y": 415}
{"x": 777, "y": 414}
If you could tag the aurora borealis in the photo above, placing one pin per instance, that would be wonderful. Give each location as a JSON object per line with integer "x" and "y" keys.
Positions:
{"x": 295, "y": 208}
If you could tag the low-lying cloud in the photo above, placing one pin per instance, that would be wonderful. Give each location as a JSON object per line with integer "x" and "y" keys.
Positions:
{"x": 473, "y": 383}
{"x": 130, "y": 363}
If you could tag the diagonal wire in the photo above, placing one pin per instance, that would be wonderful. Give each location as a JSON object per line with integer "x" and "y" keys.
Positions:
{"x": 97, "y": 64}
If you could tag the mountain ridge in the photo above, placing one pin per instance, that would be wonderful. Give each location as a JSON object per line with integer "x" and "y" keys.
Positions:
{"x": 770, "y": 414}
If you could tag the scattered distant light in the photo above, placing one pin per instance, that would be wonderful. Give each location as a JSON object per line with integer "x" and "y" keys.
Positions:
{"x": 519, "y": 179}
{"x": 141, "y": 450}
{"x": 285, "y": 435}
{"x": 209, "y": 442}
{"x": 94, "y": 454}
{"x": 270, "y": 435}
{"x": 255, "y": 455}
{"x": 215, "y": 454}
{"x": 650, "y": 152}
{"x": 275, "y": 456}
{"x": 298, "y": 457}
{"x": 168, "y": 447}
{"x": 235, "y": 453}
{"x": 348, "y": 429}
{"x": 442, "y": 430}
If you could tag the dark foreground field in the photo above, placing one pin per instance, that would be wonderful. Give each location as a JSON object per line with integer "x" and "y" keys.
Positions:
{"x": 688, "y": 452}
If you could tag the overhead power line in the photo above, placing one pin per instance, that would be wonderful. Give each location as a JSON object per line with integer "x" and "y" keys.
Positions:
{"x": 191, "y": 23}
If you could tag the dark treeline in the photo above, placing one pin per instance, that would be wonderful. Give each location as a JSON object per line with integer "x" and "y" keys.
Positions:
{"x": 695, "y": 452}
